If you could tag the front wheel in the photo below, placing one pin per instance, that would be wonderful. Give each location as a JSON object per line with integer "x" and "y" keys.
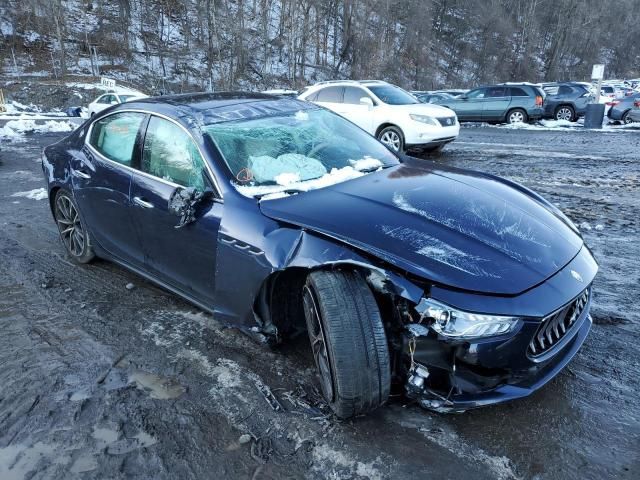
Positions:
{"x": 348, "y": 341}
{"x": 73, "y": 233}
{"x": 392, "y": 137}
{"x": 517, "y": 115}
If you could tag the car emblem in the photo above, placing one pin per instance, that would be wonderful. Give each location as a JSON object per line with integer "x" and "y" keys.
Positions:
{"x": 577, "y": 276}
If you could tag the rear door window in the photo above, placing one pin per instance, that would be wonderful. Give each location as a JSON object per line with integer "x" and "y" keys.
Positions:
{"x": 170, "y": 154}
{"x": 352, "y": 95}
{"x": 114, "y": 136}
{"x": 330, "y": 95}
{"x": 518, "y": 92}
{"x": 564, "y": 90}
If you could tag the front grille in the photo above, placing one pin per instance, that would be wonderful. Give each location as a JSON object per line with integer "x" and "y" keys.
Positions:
{"x": 555, "y": 326}
{"x": 447, "y": 121}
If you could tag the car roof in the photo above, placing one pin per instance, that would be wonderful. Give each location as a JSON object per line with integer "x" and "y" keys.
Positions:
{"x": 209, "y": 108}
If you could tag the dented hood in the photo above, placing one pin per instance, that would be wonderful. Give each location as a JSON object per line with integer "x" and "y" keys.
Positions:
{"x": 456, "y": 228}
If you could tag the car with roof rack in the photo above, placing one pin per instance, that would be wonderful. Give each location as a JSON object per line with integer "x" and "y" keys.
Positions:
{"x": 391, "y": 114}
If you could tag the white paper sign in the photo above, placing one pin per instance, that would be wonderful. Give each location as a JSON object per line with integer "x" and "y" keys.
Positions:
{"x": 598, "y": 72}
{"x": 107, "y": 82}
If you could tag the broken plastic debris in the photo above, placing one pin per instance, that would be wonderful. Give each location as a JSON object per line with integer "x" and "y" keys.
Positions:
{"x": 183, "y": 202}
{"x": 417, "y": 330}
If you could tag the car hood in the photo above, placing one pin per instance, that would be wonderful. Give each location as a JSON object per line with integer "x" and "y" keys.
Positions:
{"x": 457, "y": 228}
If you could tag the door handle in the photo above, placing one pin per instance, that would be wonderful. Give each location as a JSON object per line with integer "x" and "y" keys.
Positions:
{"x": 80, "y": 174}
{"x": 142, "y": 203}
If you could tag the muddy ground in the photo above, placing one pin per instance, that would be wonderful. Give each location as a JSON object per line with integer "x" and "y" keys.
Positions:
{"x": 98, "y": 380}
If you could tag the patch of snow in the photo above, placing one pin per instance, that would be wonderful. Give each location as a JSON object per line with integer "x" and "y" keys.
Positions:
{"x": 366, "y": 163}
{"x": 324, "y": 455}
{"x": 599, "y": 227}
{"x": 37, "y": 194}
{"x": 585, "y": 226}
{"x": 336, "y": 175}
{"x": 287, "y": 178}
{"x": 14, "y": 128}
{"x": 301, "y": 116}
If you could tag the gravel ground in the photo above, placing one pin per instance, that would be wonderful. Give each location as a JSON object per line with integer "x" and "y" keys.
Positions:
{"x": 101, "y": 380}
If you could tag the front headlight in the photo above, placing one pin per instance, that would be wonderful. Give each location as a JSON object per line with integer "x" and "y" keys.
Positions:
{"x": 454, "y": 323}
{"x": 424, "y": 119}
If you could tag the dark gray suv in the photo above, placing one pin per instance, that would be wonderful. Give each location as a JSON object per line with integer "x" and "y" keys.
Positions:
{"x": 566, "y": 100}
{"x": 509, "y": 103}
{"x": 621, "y": 108}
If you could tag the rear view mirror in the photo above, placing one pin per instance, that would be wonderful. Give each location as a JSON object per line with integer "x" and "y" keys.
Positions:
{"x": 366, "y": 101}
{"x": 183, "y": 203}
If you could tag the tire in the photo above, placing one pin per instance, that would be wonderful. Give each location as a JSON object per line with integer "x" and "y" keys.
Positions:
{"x": 517, "y": 115}
{"x": 393, "y": 138}
{"x": 565, "y": 112}
{"x": 348, "y": 342}
{"x": 73, "y": 234}
{"x": 626, "y": 118}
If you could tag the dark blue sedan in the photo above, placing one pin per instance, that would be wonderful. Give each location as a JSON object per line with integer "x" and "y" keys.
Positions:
{"x": 279, "y": 216}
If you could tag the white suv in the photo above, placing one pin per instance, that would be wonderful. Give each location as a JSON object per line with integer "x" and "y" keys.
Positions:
{"x": 108, "y": 99}
{"x": 388, "y": 112}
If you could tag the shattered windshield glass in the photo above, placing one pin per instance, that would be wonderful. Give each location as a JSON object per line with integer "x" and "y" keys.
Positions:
{"x": 300, "y": 151}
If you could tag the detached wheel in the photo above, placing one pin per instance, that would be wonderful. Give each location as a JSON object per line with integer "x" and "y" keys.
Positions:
{"x": 348, "y": 342}
{"x": 565, "y": 112}
{"x": 517, "y": 115}
{"x": 73, "y": 234}
{"x": 393, "y": 138}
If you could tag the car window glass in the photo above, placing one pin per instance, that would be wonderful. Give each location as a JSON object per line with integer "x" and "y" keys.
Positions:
{"x": 392, "y": 95}
{"x": 103, "y": 99}
{"x": 330, "y": 94}
{"x": 518, "y": 92}
{"x": 497, "y": 92}
{"x": 169, "y": 153}
{"x": 479, "y": 93}
{"x": 352, "y": 95}
{"x": 296, "y": 147}
{"x": 564, "y": 90}
{"x": 115, "y": 135}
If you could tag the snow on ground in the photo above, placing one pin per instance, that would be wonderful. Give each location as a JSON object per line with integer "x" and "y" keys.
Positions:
{"x": 16, "y": 129}
{"x": 556, "y": 125}
{"x": 36, "y": 194}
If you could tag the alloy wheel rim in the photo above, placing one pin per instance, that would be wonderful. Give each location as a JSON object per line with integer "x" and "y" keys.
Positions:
{"x": 318, "y": 343}
{"x": 516, "y": 117}
{"x": 626, "y": 119}
{"x": 70, "y": 227}
{"x": 391, "y": 139}
{"x": 564, "y": 114}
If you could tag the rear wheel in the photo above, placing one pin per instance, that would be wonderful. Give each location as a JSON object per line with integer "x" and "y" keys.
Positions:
{"x": 517, "y": 115}
{"x": 348, "y": 342}
{"x": 73, "y": 234}
{"x": 626, "y": 117}
{"x": 565, "y": 112}
{"x": 392, "y": 137}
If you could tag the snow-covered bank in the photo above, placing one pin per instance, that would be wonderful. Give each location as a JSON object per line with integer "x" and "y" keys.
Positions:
{"x": 15, "y": 130}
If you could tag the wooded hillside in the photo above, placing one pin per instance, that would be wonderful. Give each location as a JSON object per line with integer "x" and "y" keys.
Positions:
{"x": 177, "y": 45}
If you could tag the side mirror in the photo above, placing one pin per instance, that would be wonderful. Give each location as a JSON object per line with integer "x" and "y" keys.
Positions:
{"x": 366, "y": 101}
{"x": 184, "y": 201}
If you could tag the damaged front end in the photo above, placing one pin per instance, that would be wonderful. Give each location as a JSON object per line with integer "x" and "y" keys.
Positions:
{"x": 457, "y": 360}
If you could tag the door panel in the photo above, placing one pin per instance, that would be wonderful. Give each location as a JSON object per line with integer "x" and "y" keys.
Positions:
{"x": 101, "y": 184}
{"x": 471, "y": 107}
{"x": 496, "y": 103}
{"x": 353, "y": 110}
{"x": 181, "y": 257}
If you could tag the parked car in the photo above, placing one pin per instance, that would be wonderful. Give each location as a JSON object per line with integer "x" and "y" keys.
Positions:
{"x": 621, "y": 108}
{"x": 610, "y": 91}
{"x": 634, "y": 115}
{"x": 108, "y": 99}
{"x": 454, "y": 92}
{"x": 566, "y": 100}
{"x": 388, "y": 112}
{"x": 513, "y": 103}
{"x": 463, "y": 288}
{"x": 431, "y": 97}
